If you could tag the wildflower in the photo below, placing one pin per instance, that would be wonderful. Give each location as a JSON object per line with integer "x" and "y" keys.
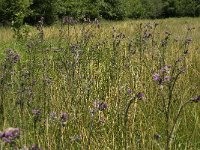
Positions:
{"x": 165, "y": 69}
{"x": 1, "y": 134}
{"x": 186, "y": 52}
{"x": 157, "y": 136}
{"x": 36, "y": 112}
{"x": 16, "y": 58}
{"x": 96, "y": 104}
{"x": 36, "y": 115}
{"x": 181, "y": 69}
{"x": 6, "y": 140}
{"x": 196, "y": 99}
{"x": 64, "y": 117}
{"x": 167, "y": 78}
{"x": 129, "y": 91}
{"x": 12, "y": 132}
{"x": 140, "y": 96}
{"x": 188, "y": 41}
{"x": 9, "y": 135}
{"x": 156, "y": 77}
{"x": 12, "y": 56}
{"x": 163, "y": 43}
{"x": 103, "y": 106}
{"x": 167, "y": 33}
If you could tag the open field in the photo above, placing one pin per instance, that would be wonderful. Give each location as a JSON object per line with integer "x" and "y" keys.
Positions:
{"x": 114, "y": 85}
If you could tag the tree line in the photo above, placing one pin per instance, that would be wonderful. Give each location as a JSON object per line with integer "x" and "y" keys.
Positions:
{"x": 29, "y": 11}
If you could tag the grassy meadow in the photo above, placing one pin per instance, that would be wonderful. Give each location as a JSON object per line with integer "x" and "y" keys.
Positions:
{"x": 127, "y": 85}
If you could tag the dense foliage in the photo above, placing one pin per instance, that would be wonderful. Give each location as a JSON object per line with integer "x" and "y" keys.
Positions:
{"x": 31, "y": 10}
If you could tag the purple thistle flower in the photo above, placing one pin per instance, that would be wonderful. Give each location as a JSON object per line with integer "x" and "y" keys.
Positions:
{"x": 12, "y": 132}
{"x": 64, "y": 117}
{"x": 6, "y": 140}
{"x": 99, "y": 106}
{"x": 167, "y": 78}
{"x": 196, "y": 99}
{"x": 129, "y": 91}
{"x": 156, "y": 77}
{"x": 165, "y": 69}
{"x": 1, "y": 134}
{"x": 36, "y": 112}
{"x": 8, "y": 134}
{"x": 186, "y": 52}
{"x": 157, "y": 136}
{"x": 96, "y": 104}
{"x": 103, "y": 106}
{"x": 140, "y": 96}
{"x": 16, "y": 58}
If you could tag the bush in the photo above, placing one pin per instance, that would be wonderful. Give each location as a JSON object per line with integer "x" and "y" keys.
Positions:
{"x": 30, "y": 11}
{"x": 10, "y": 10}
{"x": 134, "y": 9}
{"x": 113, "y": 10}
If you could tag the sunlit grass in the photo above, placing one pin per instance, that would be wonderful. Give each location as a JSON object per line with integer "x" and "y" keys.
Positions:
{"x": 95, "y": 76}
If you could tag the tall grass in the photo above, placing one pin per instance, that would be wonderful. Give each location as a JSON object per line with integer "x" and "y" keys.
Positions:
{"x": 117, "y": 85}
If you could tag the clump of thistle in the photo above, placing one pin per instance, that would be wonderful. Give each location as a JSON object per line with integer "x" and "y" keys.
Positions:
{"x": 36, "y": 114}
{"x": 129, "y": 91}
{"x": 60, "y": 119}
{"x": 36, "y": 118}
{"x": 12, "y": 57}
{"x": 102, "y": 106}
{"x": 99, "y": 106}
{"x": 9, "y": 135}
{"x": 163, "y": 75}
{"x": 64, "y": 117}
{"x": 10, "y": 60}
{"x": 157, "y": 136}
{"x": 140, "y": 96}
{"x": 7, "y": 70}
{"x": 166, "y": 77}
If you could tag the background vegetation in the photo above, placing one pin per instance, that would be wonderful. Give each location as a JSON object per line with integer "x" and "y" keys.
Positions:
{"x": 30, "y": 11}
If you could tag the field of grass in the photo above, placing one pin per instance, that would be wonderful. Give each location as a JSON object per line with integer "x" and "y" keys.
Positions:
{"x": 132, "y": 85}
